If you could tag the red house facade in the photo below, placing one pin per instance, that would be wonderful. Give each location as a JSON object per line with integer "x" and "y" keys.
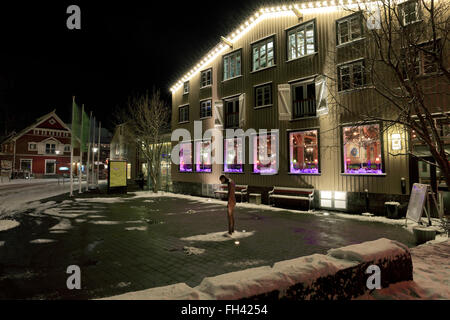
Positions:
{"x": 41, "y": 150}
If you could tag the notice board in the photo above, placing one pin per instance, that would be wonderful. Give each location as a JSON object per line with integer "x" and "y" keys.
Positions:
{"x": 417, "y": 201}
{"x": 117, "y": 176}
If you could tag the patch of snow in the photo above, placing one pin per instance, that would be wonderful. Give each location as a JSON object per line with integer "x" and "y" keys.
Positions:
{"x": 2, "y": 243}
{"x": 244, "y": 263}
{"x": 96, "y": 216}
{"x": 57, "y": 213}
{"x": 392, "y": 203}
{"x": 58, "y": 231}
{"x": 39, "y": 241}
{"x": 143, "y": 228}
{"x": 104, "y": 222}
{"x": 219, "y": 236}
{"x": 193, "y": 251}
{"x": 8, "y": 224}
{"x": 101, "y": 200}
{"x": 64, "y": 224}
{"x": 123, "y": 284}
{"x": 80, "y": 220}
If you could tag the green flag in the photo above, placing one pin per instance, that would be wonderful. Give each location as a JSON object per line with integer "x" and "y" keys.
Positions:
{"x": 85, "y": 131}
{"x": 76, "y": 124}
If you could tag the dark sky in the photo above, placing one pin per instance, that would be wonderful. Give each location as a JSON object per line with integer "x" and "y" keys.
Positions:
{"x": 123, "y": 47}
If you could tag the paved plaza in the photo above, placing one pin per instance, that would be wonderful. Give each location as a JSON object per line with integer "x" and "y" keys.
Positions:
{"x": 131, "y": 243}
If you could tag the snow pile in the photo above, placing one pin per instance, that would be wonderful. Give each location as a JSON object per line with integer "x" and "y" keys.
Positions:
{"x": 244, "y": 263}
{"x": 219, "y": 236}
{"x": 8, "y": 224}
{"x": 143, "y": 228}
{"x": 58, "y": 213}
{"x": 64, "y": 224}
{"x": 376, "y": 250}
{"x": 431, "y": 274}
{"x": 179, "y": 291}
{"x": 104, "y": 222}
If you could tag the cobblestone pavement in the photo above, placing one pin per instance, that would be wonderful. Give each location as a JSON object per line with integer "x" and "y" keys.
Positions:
{"x": 135, "y": 244}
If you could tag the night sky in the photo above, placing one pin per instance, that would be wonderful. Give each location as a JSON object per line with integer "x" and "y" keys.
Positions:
{"x": 122, "y": 48}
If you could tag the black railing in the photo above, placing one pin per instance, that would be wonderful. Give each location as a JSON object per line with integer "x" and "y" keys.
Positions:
{"x": 304, "y": 108}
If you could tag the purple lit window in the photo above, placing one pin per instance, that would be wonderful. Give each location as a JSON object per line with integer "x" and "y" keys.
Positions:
{"x": 304, "y": 152}
{"x": 362, "y": 149}
{"x": 265, "y": 155}
{"x": 186, "y": 157}
{"x": 234, "y": 155}
{"x": 203, "y": 156}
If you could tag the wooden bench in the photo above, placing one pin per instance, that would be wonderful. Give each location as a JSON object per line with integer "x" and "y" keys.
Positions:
{"x": 240, "y": 189}
{"x": 292, "y": 193}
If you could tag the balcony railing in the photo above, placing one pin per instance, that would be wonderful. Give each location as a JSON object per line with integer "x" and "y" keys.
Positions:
{"x": 232, "y": 120}
{"x": 304, "y": 108}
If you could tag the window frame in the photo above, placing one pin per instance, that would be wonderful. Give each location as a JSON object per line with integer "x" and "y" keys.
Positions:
{"x": 293, "y": 29}
{"x": 179, "y": 115}
{"x": 232, "y": 53}
{"x": 35, "y": 146}
{"x": 255, "y": 90}
{"x": 209, "y": 70}
{"x": 225, "y": 155}
{"x": 187, "y": 85}
{"x": 263, "y": 41}
{"x": 319, "y": 169}
{"x": 28, "y": 160}
{"x": 47, "y": 161}
{"x": 303, "y": 83}
{"x": 383, "y": 163}
{"x": 252, "y": 148}
{"x": 50, "y": 148}
{"x": 201, "y": 106}
{"x": 234, "y": 99}
{"x": 401, "y": 8}
{"x": 348, "y": 19}
{"x": 195, "y": 164}
{"x": 351, "y": 75}
{"x": 192, "y": 160}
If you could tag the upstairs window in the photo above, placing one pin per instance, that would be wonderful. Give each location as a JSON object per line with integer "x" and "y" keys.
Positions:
{"x": 50, "y": 148}
{"x": 263, "y": 54}
{"x": 183, "y": 114}
{"x": 186, "y": 87}
{"x": 232, "y": 65}
{"x": 349, "y": 28}
{"x": 263, "y": 95}
{"x": 351, "y": 75}
{"x": 206, "y": 78}
{"x": 32, "y": 147}
{"x": 409, "y": 12}
{"x": 232, "y": 113}
{"x": 205, "y": 109}
{"x": 421, "y": 61}
{"x": 304, "y": 99}
{"x": 301, "y": 40}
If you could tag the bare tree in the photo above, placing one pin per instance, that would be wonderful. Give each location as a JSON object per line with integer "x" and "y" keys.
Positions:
{"x": 146, "y": 118}
{"x": 405, "y": 72}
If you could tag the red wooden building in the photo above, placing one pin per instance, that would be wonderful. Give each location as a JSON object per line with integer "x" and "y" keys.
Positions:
{"x": 42, "y": 149}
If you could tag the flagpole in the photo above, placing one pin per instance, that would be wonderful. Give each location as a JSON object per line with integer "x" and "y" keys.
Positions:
{"x": 71, "y": 152}
{"x": 80, "y": 171}
{"x": 89, "y": 152}
{"x": 93, "y": 155}
{"x": 98, "y": 150}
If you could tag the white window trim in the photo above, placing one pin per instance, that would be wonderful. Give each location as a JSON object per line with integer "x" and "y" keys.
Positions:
{"x": 184, "y": 87}
{"x": 30, "y": 143}
{"x": 302, "y": 25}
{"x": 348, "y": 18}
{"x": 182, "y": 106}
{"x": 264, "y": 41}
{"x": 201, "y": 76}
{"x": 49, "y": 160}
{"x": 31, "y": 166}
{"x": 271, "y": 95}
{"x": 205, "y": 100}
{"x": 223, "y": 63}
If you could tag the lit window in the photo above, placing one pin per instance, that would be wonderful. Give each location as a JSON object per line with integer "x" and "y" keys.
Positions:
{"x": 362, "y": 149}
{"x": 263, "y": 54}
{"x": 349, "y": 29}
{"x": 265, "y": 153}
{"x": 301, "y": 41}
{"x": 186, "y": 87}
{"x": 206, "y": 78}
{"x": 185, "y": 157}
{"x": 234, "y": 155}
{"x": 183, "y": 114}
{"x": 232, "y": 65}
{"x": 203, "y": 156}
{"x": 50, "y": 148}
{"x": 303, "y": 152}
{"x": 409, "y": 12}
{"x": 205, "y": 109}
{"x": 263, "y": 95}
{"x": 304, "y": 99}
{"x": 351, "y": 76}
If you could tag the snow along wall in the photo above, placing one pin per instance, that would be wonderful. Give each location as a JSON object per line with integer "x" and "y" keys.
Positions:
{"x": 341, "y": 274}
